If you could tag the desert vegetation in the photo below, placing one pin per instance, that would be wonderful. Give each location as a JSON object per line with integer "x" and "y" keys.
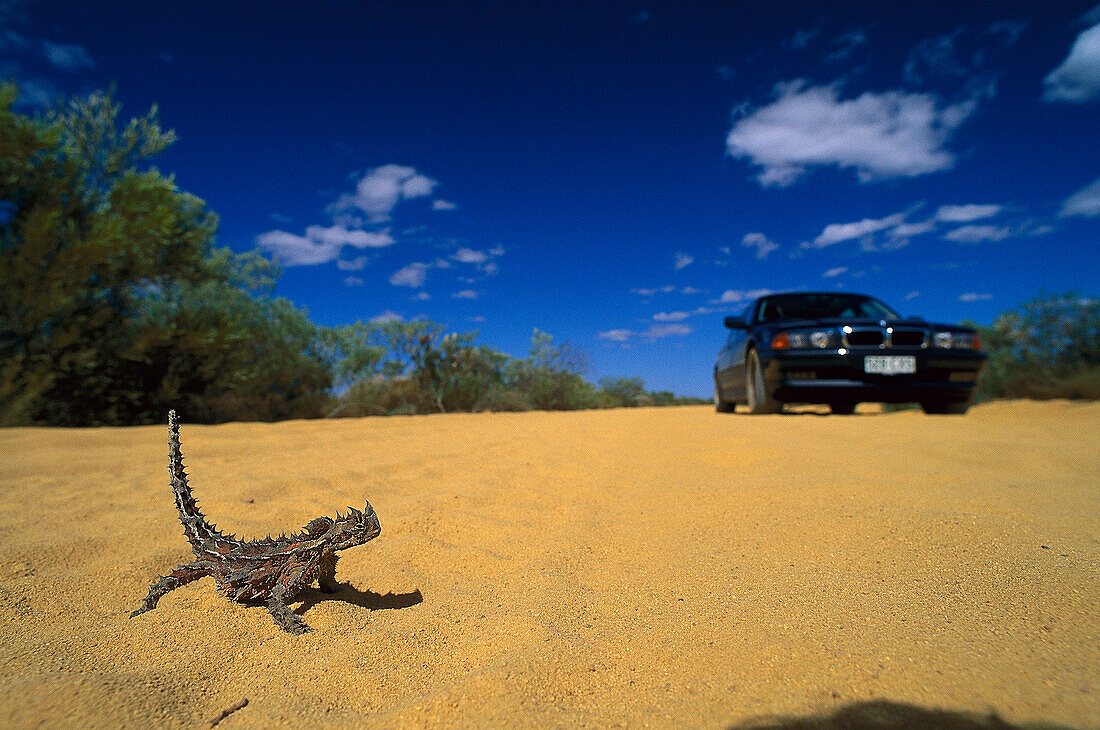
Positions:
{"x": 116, "y": 304}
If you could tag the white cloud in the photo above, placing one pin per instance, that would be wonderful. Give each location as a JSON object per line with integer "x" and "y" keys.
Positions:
{"x": 682, "y": 260}
{"x": 338, "y": 235}
{"x": 736, "y": 296}
{"x": 470, "y": 256}
{"x": 381, "y": 189}
{"x": 412, "y": 275}
{"x": 802, "y": 38}
{"x": 966, "y": 213}
{"x": 974, "y": 297}
{"x": 353, "y": 281}
{"x": 846, "y": 45}
{"x": 671, "y": 316}
{"x": 1077, "y": 80}
{"x": 465, "y": 294}
{"x": 760, "y": 242}
{"x": 1085, "y": 202}
{"x": 882, "y": 135}
{"x": 443, "y": 205}
{"x": 667, "y": 330}
{"x": 356, "y": 264}
{"x": 654, "y": 332}
{"x": 834, "y": 272}
{"x": 319, "y": 245}
{"x": 977, "y": 234}
{"x": 900, "y": 234}
{"x": 387, "y": 316}
{"x": 838, "y": 232}
{"x": 615, "y": 335}
{"x": 422, "y": 296}
{"x": 912, "y": 295}
{"x": 66, "y": 56}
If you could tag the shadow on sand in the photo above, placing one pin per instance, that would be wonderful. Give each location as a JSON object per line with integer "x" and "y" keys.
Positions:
{"x": 364, "y": 599}
{"x": 884, "y": 715}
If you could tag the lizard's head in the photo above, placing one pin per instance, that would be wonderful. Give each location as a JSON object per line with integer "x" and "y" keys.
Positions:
{"x": 349, "y": 530}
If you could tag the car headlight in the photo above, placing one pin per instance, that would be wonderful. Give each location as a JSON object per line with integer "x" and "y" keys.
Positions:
{"x": 805, "y": 340}
{"x": 956, "y": 340}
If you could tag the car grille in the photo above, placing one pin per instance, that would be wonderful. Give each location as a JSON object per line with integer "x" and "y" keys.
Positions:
{"x": 884, "y": 337}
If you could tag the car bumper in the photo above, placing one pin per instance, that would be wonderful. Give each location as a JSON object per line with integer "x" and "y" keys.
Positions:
{"x": 815, "y": 377}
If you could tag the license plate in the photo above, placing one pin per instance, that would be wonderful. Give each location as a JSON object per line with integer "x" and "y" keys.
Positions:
{"x": 890, "y": 364}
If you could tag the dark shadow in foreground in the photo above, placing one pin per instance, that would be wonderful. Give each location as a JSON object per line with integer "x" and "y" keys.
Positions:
{"x": 364, "y": 599}
{"x": 884, "y": 715}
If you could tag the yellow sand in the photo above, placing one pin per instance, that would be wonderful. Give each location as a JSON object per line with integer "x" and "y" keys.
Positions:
{"x": 655, "y": 567}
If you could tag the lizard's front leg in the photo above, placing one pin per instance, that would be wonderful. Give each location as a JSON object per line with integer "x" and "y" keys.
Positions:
{"x": 326, "y": 574}
{"x": 287, "y": 587}
{"x": 181, "y": 576}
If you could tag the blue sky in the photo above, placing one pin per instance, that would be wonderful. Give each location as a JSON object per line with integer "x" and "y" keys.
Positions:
{"x": 621, "y": 175}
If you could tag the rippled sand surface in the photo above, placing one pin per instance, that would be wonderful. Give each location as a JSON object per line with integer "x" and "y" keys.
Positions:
{"x": 653, "y": 567}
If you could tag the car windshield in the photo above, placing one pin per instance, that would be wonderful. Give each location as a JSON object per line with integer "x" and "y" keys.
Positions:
{"x": 821, "y": 306}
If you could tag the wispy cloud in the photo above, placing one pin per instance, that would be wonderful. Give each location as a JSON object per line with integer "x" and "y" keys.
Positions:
{"x": 882, "y": 136}
{"x": 667, "y": 289}
{"x": 66, "y": 56}
{"x": 834, "y": 272}
{"x": 737, "y": 296}
{"x": 465, "y": 294}
{"x": 977, "y": 234}
{"x": 760, "y": 242}
{"x": 412, "y": 275}
{"x": 966, "y": 213}
{"x": 975, "y": 297}
{"x": 682, "y": 260}
{"x": 654, "y": 332}
{"x": 443, "y": 205}
{"x": 356, "y": 264}
{"x": 1085, "y": 202}
{"x": 846, "y": 45}
{"x": 894, "y": 231}
{"x": 1077, "y": 79}
{"x": 802, "y": 38}
{"x": 835, "y": 233}
{"x": 671, "y": 316}
{"x": 319, "y": 245}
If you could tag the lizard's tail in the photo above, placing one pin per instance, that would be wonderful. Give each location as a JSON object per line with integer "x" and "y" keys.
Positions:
{"x": 195, "y": 526}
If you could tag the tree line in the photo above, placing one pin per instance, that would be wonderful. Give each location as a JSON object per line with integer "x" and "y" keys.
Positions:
{"x": 117, "y": 305}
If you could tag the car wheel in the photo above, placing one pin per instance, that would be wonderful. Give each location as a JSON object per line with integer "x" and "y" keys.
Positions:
{"x": 759, "y": 397}
{"x": 842, "y": 408}
{"x": 721, "y": 404}
{"x": 940, "y": 407}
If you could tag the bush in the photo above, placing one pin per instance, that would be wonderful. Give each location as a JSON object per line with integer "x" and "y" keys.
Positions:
{"x": 1048, "y": 348}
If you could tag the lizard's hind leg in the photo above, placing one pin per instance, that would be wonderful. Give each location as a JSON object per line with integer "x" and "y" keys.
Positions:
{"x": 181, "y": 576}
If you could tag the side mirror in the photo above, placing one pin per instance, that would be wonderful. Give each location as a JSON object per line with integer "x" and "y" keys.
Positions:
{"x": 735, "y": 323}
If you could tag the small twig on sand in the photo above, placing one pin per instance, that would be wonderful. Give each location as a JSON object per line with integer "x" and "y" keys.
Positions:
{"x": 228, "y": 711}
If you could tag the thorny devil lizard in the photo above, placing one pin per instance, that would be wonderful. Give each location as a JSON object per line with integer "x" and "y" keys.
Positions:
{"x": 272, "y": 570}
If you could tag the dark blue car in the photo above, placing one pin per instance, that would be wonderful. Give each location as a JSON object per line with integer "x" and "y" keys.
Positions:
{"x": 843, "y": 349}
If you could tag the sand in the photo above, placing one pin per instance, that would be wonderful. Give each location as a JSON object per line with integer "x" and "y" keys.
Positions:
{"x": 652, "y": 567}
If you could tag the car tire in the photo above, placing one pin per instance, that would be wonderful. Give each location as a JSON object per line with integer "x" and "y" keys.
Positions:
{"x": 760, "y": 399}
{"x": 940, "y": 407}
{"x": 721, "y": 404}
{"x": 842, "y": 407}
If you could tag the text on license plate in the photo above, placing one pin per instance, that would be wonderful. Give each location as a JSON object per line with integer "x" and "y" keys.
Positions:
{"x": 890, "y": 364}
